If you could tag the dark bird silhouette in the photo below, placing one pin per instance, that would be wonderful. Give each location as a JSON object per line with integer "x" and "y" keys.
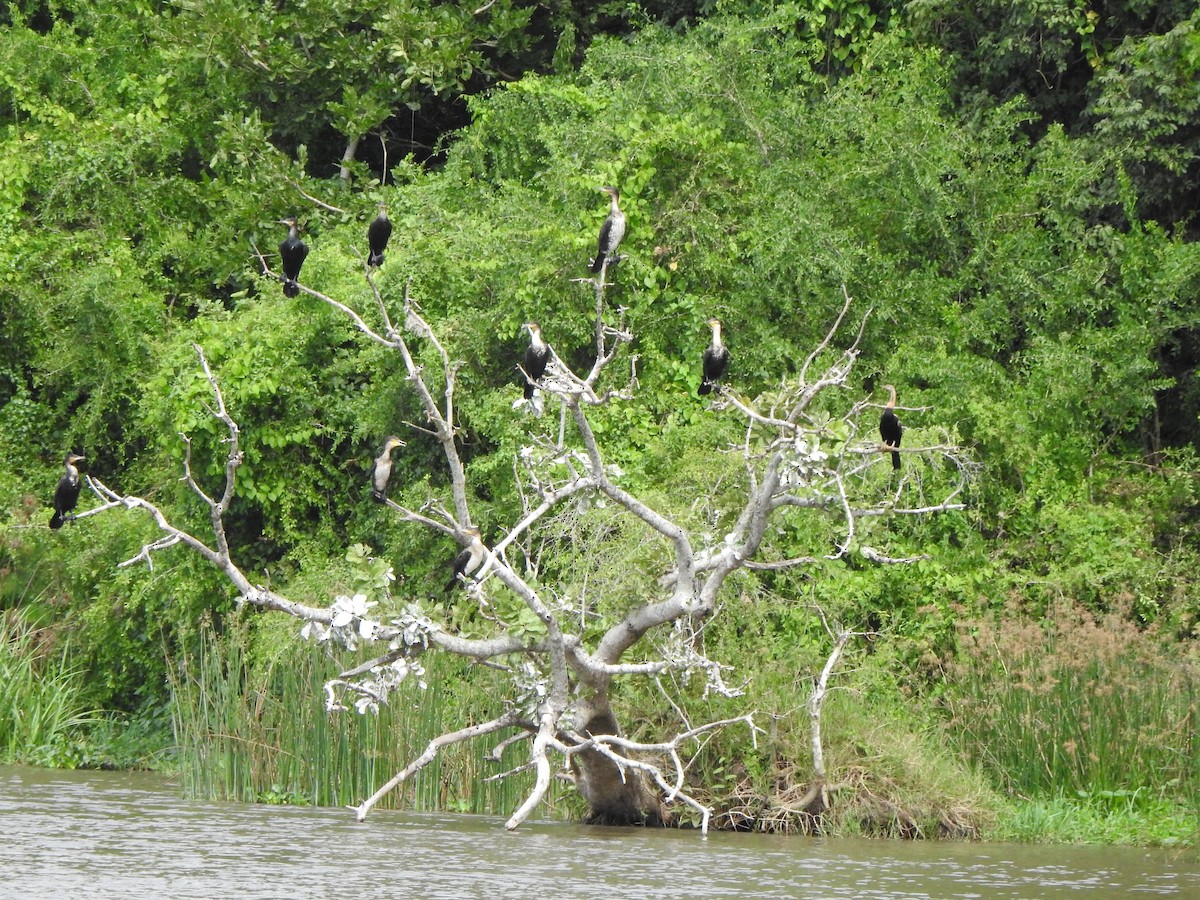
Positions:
{"x": 378, "y": 234}
{"x": 890, "y": 429}
{"x": 537, "y": 355}
{"x": 715, "y": 360}
{"x": 611, "y": 231}
{"x": 381, "y": 471}
{"x": 292, "y": 252}
{"x": 66, "y": 494}
{"x": 468, "y": 560}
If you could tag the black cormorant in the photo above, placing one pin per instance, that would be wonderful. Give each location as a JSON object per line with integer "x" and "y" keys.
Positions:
{"x": 292, "y": 252}
{"x": 381, "y": 471}
{"x": 611, "y": 231}
{"x": 890, "y": 428}
{"x": 469, "y": 559}
{"x": 378, "y": 233}
{"x": 715, "y": 360}
{"x": 537, "y": 355}
{"x": 66, "y": 495}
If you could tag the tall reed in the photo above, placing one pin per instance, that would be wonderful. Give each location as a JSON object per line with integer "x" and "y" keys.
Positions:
{"x": 1077, "y": 704}
{"x": 42, "y": 697}
{"x": 257, "y": 730}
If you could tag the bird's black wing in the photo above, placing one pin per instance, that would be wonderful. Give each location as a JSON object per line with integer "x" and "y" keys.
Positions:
{"x": 378, "y": 235}
{"x": 602, "y": 245}
{"x": 892, "y": 432}
{"x": 459, "y": 565}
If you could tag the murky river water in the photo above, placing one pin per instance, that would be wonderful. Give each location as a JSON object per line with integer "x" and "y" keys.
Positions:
{"x": 65, "y": 835}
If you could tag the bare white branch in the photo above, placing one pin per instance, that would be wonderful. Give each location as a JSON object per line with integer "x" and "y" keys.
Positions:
{"x": 313, "y": 200}
{"x": 816, "y": 701}
{"x": 876, "y": 557}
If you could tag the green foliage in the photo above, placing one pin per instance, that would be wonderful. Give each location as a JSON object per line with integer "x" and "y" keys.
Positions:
{"x": 1145, "y": 106}
{"x": 142, "y": 739}
{"x": 1044, "y": 49}
{"x": 290, "y": 378}
{"x": 1121, "y": 75}
{"x": 838, "y": 30}
{"x": 347, "y": 65}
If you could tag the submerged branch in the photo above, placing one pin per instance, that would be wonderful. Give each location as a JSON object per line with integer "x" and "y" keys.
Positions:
{"x": 430, "y": 754}
{"x": 541, "y": 763}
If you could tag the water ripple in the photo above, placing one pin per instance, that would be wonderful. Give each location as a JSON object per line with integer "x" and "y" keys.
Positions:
{"x": 103, "y": 834}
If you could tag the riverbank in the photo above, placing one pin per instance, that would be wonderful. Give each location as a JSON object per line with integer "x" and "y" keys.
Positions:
{"x": 257, "y": 732}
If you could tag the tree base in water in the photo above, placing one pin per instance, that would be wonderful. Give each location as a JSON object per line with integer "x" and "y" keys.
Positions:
{"x": 614, "y": 797}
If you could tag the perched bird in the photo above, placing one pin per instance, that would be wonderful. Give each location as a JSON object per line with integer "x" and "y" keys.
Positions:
{"x": 468, "y": 560}
{"x": 292, "y": 252}
{"x": 611, "y": 231}
{"x": 890, "y": 429}
{"x": 381, "y": 471}
{"x": 715, "y": 360}
{"x": 66, "y": 495}
{"x": 378, "y": 233}
{"x": 537, "y": 355}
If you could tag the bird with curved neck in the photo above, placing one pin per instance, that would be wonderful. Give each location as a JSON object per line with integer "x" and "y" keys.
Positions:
{"x": 292, "y": 251}
{"x": 611, "y": 232}
{"x": 379, "y": 232}
{"x": 381, "y": 470}
{"x": 469, "y": 559}
{"x": 715, "y": 360}
{"x": 890, "y": 429}
{"x": 66, "y": 493}
{"x": 537, "y": 356}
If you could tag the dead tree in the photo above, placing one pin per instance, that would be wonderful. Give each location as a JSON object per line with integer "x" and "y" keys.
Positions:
{"x": 560, "y": 693}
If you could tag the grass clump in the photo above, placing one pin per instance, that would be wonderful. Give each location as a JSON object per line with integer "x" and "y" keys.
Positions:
{"x": 894, "y": 778}
{"x": 1088, "y": 720}
{"x": 1109, "y": 817}
{"x": 251, "y": 725}
{"x": 43, "y": 702}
